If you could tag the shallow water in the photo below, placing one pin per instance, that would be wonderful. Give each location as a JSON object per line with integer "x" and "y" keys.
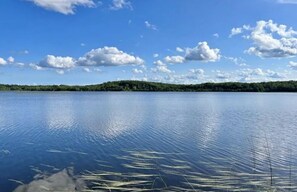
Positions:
{"x": 194, "y": 141}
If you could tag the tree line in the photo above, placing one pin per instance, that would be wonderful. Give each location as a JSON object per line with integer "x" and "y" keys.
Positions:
{"x": 279, "y": 86}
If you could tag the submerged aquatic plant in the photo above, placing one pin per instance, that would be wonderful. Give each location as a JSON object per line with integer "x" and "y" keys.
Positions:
{"x": 157, "y": 171}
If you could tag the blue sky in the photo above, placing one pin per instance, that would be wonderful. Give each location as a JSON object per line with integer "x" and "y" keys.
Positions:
{"x": 172, "y": 41}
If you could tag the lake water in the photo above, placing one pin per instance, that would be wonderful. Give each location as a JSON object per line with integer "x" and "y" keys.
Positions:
{"x": 148, "y": 141}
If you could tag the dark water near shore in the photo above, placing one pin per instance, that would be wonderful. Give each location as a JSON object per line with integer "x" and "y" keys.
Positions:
{"x": 155, "y": 141}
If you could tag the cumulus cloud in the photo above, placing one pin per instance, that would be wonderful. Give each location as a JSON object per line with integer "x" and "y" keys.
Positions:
{"x": 199, "y": 76}
{"x": 10, "y": 59}
{"x": 251, "y": 72}
{"x": 150, "y": 26}
{"x": 108, "y": 56}
{"x": 238, "y": 30}
{"x": 159, "y": 63}
{"x": 259, "y": 74}
{"x": 197, "y": 71}
{"x": 65, "y": 7}
{"x": 155, "y": 55}
{"x": 202, "y": 53}
{"x": 51, "y": 61}
{"x": 266, "y": 45}
{"x": 271, "y": 40}
{"x": 235, "y": 31}
{"x": 190, "y": 77}
{"x": 137, "y": 71}
{"x": 174, "y": 59}
{"x": 161, "y": 67}
{"x": 3, "y": 61}
{"x": 121, "y": 4}
{"x": 223, "y": 75}
{"x": 195, "y": 74}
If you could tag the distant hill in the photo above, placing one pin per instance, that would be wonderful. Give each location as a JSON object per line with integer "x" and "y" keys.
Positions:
{"x": 280, "y": 86}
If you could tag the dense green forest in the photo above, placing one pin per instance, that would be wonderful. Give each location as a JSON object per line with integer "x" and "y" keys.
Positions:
{"x": 280, "y": 86}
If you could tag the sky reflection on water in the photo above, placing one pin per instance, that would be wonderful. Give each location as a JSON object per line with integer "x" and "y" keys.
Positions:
{"x": 213, "y": 131}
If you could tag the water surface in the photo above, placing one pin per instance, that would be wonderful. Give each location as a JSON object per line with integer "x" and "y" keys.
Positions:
{"x": 155, "y": 141}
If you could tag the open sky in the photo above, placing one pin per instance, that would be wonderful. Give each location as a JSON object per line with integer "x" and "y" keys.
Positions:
{"x": 172, "y": 41}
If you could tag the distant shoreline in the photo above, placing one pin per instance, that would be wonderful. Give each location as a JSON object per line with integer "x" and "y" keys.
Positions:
{"x": 143, "y": 86}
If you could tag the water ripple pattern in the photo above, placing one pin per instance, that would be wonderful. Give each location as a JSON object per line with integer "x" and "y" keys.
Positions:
{"x": 123, "y": 141}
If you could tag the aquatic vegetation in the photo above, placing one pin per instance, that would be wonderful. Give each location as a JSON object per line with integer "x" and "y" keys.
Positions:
{"x": 157, "y": 171}
{"x": 152, "y": 171}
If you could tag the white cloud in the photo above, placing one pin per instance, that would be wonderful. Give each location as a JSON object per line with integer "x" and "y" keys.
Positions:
{"x": 159, "y": 63}
{"x": 19, "y": 64}
{"x": 239, "y": 30}
{"x": 161, "y": 67}
{"x": 121, "y": 4}
{"x": 137, "y": 71}
{"x": 251, "y": 72}
{"x": 150, "y": 26}
{"x": 52, "y": 61}
{"x": 223, "y": 75}
{"x": 293, "y": 65}
{"x": 35, "y": 67}
{"x": 63, "y": 6}
{"x": 235, "y": 31}
{"x": 202, "y": 53}
{"x": 275, "y": 75}
{"x": 174, "y": 59}
{"x": 2, "y": 61}
{"x": 195, "y": 74}
{"x": 259, "y": 74}
{"x": 197, "y": 71}
{"x": 269, "y": 46}
{"x": 271, "y": 40}
{"x": 192, "y": 76}
{"x": 199, "y": 76}
{"x": 10, "y": 59}
{"x": 108, "y": 56}
{"x": 181, "y": 50}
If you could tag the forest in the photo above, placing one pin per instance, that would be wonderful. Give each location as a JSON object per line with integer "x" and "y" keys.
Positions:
{"x": 279, "y": 86}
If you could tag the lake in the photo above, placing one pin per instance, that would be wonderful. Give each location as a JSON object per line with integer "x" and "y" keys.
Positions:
{"x": 116, "y": 141}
